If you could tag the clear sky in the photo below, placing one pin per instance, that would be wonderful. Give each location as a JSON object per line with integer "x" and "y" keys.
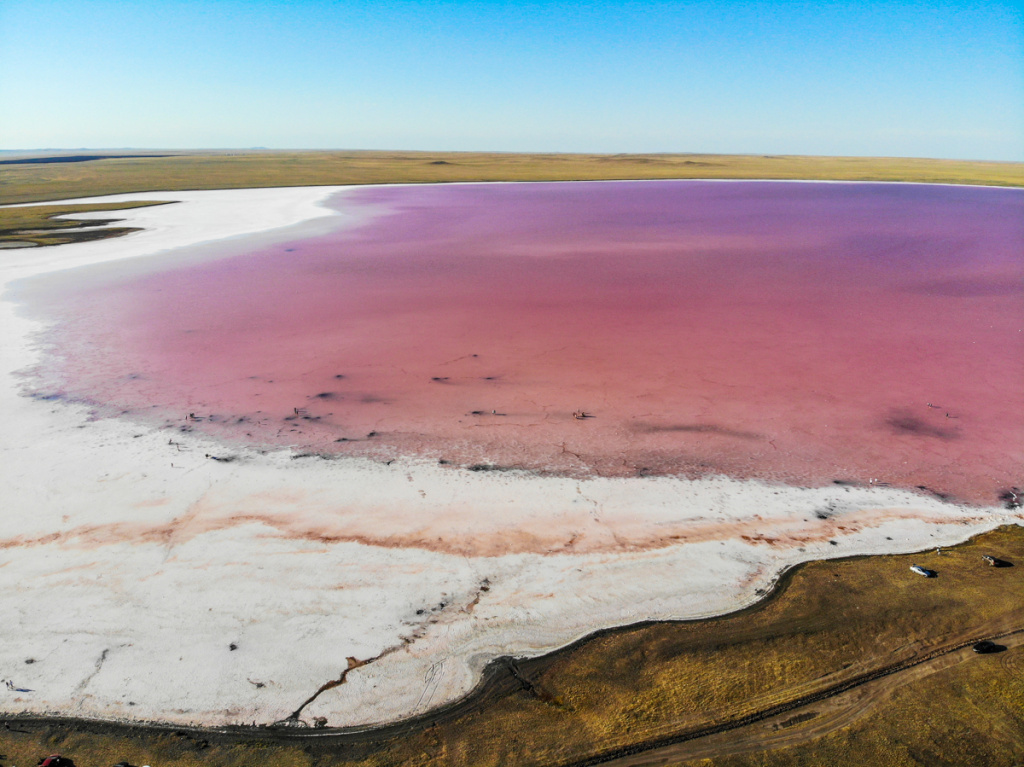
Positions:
{"x": 930, "y": 79}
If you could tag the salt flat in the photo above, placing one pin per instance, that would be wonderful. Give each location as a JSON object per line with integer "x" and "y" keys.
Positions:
{"x": 145, "y": 581}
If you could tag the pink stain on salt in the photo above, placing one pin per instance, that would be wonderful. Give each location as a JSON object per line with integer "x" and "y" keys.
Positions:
{"x": 795, "y": 332}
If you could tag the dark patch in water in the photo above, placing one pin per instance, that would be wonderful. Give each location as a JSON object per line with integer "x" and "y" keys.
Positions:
{"x": 904, "y": 423}
{"x": 940, "y": 495}
{"x": 696, "y": 428}
{"x": 75, "y": 158}
{"x": 46, "y": 397}
{"x": 967, "y": 288}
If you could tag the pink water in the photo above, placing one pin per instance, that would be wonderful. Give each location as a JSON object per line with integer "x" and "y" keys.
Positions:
{"x": 797, "y": 332}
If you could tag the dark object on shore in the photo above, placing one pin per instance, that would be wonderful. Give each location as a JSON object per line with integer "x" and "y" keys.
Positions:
{"x": 55, "y": 760}
{"x": 995, "y": 561}
{"x": 987, "y": 647}
{"x": 124, "y": 764}
{"x": 1011, "y": 498}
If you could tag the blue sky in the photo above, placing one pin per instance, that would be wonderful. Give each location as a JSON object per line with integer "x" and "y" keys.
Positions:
{"x": 922, "y": 79}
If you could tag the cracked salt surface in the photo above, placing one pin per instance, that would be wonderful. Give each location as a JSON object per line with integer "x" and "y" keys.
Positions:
{"x": 149, "y": 582}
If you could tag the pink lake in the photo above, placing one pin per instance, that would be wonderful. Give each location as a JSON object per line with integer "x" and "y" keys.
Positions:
{"x": 796, "y": 332}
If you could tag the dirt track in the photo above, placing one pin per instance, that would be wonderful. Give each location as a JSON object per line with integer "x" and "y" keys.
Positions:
{"x": 823, "y": 712}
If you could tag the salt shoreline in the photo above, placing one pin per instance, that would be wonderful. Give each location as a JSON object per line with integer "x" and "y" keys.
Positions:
{"x": 317, "y": 561}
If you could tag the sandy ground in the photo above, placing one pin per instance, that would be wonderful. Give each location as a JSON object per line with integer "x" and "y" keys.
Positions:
{"x": 140, "y": 579}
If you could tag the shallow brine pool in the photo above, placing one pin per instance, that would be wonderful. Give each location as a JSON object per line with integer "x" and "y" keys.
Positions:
{"x": 797, "y": 332}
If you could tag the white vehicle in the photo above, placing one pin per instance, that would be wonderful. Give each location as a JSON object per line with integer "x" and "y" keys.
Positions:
{"x": 923, "y": 571}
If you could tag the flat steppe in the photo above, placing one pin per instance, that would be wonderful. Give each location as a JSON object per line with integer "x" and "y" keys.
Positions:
{"x": 26, "y": 178}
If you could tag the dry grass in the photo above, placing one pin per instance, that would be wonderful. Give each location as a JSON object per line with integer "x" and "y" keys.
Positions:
{"x": 971, "y": 714}
{"x": 230, "y": 170}
{"x": 832, "y": 621}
